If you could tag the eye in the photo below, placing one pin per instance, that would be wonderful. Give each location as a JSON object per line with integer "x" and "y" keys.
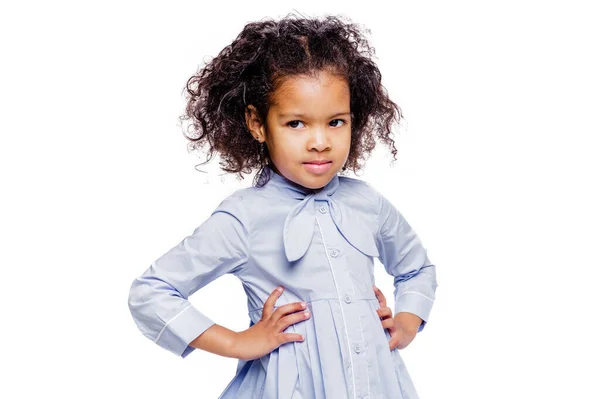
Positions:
{"x": 338, "y": 120}
{"x": 293, "y": 124}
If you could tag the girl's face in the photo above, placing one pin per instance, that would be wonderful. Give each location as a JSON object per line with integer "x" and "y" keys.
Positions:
{"x": 307, "y": 129}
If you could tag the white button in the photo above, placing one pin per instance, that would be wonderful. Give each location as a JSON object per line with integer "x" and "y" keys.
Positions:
{"x": 334, "y": 253}
{"x": 323, "y": 209}
{"x": 357, "y": 348}
{"x": 347, "y": 298}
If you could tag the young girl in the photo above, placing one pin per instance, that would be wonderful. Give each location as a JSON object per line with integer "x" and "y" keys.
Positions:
{"x": 299, "y": 100}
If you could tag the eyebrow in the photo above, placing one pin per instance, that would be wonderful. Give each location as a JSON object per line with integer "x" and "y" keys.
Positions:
{"x": 296, "y": 115}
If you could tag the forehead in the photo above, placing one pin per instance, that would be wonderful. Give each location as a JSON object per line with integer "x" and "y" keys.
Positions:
{"x": 321, "y": 89}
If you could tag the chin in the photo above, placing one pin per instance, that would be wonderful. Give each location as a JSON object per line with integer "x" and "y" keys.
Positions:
{"x": 316, "y": 182}
{"x": 307, "y": 179}
{"x": 313, "y": 186}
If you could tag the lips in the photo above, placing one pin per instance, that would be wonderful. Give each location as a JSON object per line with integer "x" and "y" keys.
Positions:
{"x": 317, "y": 162}
{"x": 317, "y": 167}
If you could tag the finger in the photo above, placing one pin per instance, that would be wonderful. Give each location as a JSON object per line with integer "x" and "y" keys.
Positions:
{"x": 392, "y": 331}
{"x": 396, "y": 338}
{"x": 289, "y": 337}
{"x": 388, "y": 323}
{"x": 287, "y": 321}
{"x": 270, "y": 303}
{"x": 394, "y": 342}
{"x": 287, "y": 309}
{"x": 384, "y": 313}
{"x": 380, "y": 297}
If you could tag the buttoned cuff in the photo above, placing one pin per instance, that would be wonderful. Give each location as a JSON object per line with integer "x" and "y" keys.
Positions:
{"x": 416, "y": 303}
{"x": 182, "y": 329}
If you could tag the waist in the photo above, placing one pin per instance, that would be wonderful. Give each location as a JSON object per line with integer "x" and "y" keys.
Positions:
{"x": 347, "y": 299}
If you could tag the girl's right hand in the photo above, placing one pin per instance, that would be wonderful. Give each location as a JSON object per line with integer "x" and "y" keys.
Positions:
{"x": 266, "y": 335}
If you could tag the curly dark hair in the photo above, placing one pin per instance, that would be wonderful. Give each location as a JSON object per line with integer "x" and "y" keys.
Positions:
{"x": 249, "y": 69}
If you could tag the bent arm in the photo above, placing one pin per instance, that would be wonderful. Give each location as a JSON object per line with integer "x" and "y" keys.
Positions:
{"x": 404, "y": 257}
{"x": 158, "y": 299}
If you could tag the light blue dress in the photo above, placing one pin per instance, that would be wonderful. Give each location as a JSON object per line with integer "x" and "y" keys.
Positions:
{"x": 320, "y": 246}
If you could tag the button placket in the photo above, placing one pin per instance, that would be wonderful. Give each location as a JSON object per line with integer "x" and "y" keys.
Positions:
{"x": 345, "y": 294}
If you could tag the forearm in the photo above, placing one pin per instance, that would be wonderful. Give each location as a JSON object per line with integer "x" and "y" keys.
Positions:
{"x": 218, "y": 340}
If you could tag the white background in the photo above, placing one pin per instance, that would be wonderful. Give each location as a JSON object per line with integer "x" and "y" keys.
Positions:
{"x": 497, "y": 171}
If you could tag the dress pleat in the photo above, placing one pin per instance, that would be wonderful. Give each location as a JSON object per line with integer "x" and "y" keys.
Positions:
{"x": 339, "y": 359}
{"x": 314, "y": 356}
{"x": 385, "y": 362}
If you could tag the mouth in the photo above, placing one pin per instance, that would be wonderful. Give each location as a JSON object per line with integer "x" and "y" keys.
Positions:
{"x": 317, "y": 167}
{"x": 317, "y": 162}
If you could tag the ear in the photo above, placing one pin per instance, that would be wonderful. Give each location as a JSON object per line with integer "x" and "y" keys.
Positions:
{"x": 255, "y": 124}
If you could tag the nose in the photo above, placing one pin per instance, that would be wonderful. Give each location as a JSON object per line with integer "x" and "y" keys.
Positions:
{"x": 318, "y": 140}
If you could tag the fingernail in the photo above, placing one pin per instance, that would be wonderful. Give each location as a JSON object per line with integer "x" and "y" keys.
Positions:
{"x": 303, "y": 304}
{"x": 280, "y": 289}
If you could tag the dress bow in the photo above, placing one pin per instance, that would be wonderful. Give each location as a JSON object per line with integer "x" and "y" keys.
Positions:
{"x": 299, "y": 226}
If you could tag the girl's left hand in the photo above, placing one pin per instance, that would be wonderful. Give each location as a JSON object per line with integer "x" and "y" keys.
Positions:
{"x": 400, "y": 336}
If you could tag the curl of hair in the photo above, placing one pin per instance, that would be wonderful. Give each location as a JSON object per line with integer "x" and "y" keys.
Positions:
{"x": 249, "y": 69}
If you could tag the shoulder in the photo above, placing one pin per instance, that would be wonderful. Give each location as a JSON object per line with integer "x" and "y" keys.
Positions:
{"x": 362, "y": 196}
{"x": 359, "y": 190}
{"x": 242, "y": 204}
{"x": 234, "y": 203}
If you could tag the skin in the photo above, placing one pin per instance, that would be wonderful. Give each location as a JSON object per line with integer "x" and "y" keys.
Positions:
{"x": 403, "y": 327}
{"x": 308, "y": 120}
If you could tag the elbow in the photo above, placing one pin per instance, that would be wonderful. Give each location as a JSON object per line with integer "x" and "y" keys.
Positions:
{"x": 137, "y": 297}
{"x": 141, "y": 309}
{"x": 133, "y": 298}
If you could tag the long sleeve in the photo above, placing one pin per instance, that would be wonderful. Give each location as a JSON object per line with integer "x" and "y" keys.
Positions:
{"x": 158, "y": 299}
{"x": 404, "y": 257}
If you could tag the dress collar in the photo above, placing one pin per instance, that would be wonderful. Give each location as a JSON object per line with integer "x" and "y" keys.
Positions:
{"x": 299, "y": 225}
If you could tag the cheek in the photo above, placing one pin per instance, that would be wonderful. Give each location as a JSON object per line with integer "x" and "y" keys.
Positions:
{"x": 287, "y": 144}
{"x": 283, "y": 148}
{"x": 343, "y": 141}
{"x": 346, "y": 144}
